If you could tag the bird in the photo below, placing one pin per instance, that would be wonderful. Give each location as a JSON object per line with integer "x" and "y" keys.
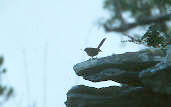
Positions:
{"x": 94, "y": 51}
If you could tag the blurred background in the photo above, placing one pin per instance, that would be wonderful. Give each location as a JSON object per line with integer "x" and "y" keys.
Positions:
{"x": 41, "y": 41}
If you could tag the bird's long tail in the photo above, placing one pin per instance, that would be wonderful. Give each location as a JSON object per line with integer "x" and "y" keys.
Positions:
{"x": 101, "y": 43}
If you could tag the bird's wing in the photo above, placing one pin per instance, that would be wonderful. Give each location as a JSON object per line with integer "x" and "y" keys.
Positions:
{"x": 101, "y": 43}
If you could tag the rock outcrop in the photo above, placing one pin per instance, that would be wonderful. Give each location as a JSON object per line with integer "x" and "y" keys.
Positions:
{"x": 145, "y": 79}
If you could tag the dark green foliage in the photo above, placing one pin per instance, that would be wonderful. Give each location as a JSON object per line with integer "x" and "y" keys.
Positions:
{"x": 142, "y": 7}
{"x": 1, "y": 60}
{"x": 5, "y": 91}
{"x": 2, "y": 89}
{"x": 153, "y": 37}
{"x": 9, "y": 92}
{"x": 144, "y": 12}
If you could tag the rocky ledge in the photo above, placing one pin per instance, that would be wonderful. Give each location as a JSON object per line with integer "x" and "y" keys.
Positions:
{"x": 145, "y": 79}
{"x": 83, "y": 96}
{"x": 122, "y": 68}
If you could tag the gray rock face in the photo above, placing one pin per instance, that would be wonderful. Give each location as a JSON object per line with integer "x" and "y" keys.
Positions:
{"x": 122, "y": 68}
{"x": 145, "y": 77}
{"x": 158, "y": 78}
{"x": 83, "y": 96}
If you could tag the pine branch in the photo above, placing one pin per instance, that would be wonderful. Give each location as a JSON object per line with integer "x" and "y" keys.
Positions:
{"x": 147, "y": 20}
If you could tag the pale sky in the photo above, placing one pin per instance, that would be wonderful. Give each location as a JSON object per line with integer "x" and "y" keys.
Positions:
{"x": 41, "y": 40}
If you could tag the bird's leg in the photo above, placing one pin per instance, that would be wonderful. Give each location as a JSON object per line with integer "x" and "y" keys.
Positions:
{"x": 91, "y": 58}
{"x": 94, "y": 57}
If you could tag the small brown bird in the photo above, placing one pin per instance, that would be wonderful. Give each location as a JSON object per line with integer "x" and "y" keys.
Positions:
{"x": 94, "y": 51}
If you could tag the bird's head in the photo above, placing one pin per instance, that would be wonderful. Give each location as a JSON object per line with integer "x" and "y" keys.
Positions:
{"x": 86, "y": 49}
